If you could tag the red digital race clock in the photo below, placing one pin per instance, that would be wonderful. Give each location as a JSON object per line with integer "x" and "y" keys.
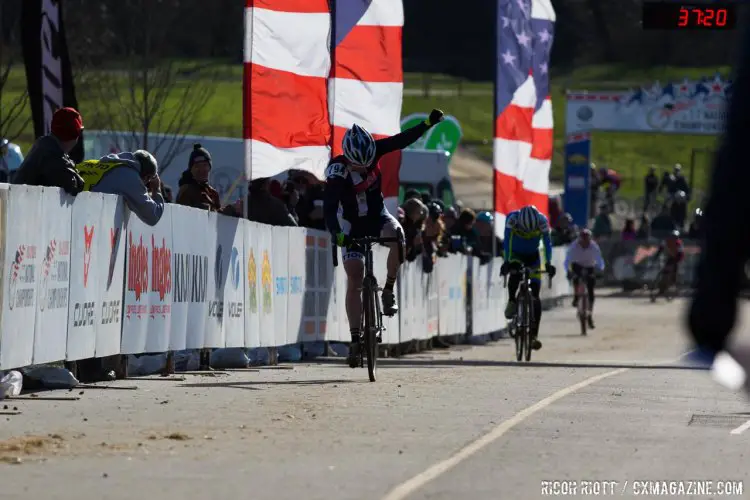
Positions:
{"x": 686, "y": 16}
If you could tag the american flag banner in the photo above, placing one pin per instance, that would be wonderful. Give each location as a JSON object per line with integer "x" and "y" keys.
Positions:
{"x": 366, "y": 85}
{"x": 311, "y": 71}
{"x": 523, "y": 142}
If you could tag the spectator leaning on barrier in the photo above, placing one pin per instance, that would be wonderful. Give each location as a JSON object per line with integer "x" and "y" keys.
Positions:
{"x": 414, "y": 220}
{"x": 266, "y": 208}
{"x": 484, "y": 226}
{"x": 48, "y": 163}
{"x": 465, "y": 238}
{"x": 196, "y": 192}
{"x": 134, "y": 176}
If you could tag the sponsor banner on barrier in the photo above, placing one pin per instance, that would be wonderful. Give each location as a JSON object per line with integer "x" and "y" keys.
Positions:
{"x": 253, "y": 291}
{"x": 319, "y": 285}
{"x": 148, "y": 284}
{"x": 279, "y": 261}
{"x": 227, "y": 306}
{"x": 53, "y": 288}
{"x": 131, "y": 288}
{"x": 192, "y": 274}
{"x": 23, "y": 258}
{"x": 96, "y": 276}
{"x": 265, "y": 246}
{"x": 295, "y": 285}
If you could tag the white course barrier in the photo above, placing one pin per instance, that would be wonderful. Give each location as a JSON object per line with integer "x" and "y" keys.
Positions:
{"x": 83, "y": 277}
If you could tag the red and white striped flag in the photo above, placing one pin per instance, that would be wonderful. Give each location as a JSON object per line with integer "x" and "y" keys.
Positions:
{"x": 366, "y": 85}
{"x": 523, "y": 127}
{"x": 310, "y": 72}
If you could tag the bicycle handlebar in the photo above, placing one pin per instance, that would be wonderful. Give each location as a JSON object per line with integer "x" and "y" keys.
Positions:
{"x": 370, "y": 240}
{"x": 520, "y": 271}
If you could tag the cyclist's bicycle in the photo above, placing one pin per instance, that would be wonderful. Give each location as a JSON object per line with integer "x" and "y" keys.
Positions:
{"x": 372, "y": 317}
{"x": 520, "y": 325}
{"x": 582, "y": 298}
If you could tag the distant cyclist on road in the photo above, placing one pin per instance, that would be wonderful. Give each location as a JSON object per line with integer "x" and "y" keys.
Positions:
{"x": 524, "y": 229}
{"x": 353, "y": 193}
{"x": 584, "y": 253}
{"x": 610, "y": 180}
{"x": 673, "y": 248}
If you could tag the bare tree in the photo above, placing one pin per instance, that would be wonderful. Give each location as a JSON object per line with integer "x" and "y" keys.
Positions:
{"x": 144, "y": 98}
{"x": 14, "y": 113}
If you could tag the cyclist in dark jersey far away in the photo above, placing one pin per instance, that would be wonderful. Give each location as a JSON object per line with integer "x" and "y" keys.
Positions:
{"x": 353, "y": 207}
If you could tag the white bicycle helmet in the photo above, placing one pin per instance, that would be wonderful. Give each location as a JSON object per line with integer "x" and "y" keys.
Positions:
{"x": 359, "y": 146}
{"x": 528, "y": 219}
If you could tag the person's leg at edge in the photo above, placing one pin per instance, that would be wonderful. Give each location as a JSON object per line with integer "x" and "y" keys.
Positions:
{"x": 536, "y": 286}
{"x": 513, "y": 281}
{"x": 354, "y": 266}
{"x": 391, "y": 228}
{"x": 576, "y": 278}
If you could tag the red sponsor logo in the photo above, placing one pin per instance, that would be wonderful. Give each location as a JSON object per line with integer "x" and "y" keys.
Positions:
{"x": 161, "y": 268}
{"x": 137, "y": 267}
{"x": 88, "y": 236}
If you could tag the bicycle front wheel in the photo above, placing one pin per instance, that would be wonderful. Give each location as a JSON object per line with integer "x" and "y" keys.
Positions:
{"x": 529, "y": 314}
{"x": 520, "y": 329}
{"x": 369, "y": 296}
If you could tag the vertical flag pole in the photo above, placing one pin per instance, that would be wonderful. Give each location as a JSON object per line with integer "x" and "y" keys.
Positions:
{"x": 247, "y": 173}
{"x": 496, "y": 54}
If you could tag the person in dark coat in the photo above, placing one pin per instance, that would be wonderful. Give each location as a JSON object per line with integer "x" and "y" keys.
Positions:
{"x": 48, "y": 163}
{"x": 196, "y": 192}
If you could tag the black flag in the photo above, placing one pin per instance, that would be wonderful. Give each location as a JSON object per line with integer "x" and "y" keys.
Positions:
{"x": 49, "y": 75}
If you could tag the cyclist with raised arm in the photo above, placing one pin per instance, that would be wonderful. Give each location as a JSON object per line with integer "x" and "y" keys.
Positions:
{"x": 353, "y": 208}
{"x": 524, "y": 229}
{"x": 584, "y": 253}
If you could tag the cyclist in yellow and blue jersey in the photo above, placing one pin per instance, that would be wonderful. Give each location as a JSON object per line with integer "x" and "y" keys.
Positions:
{"x": 524, "y": 229}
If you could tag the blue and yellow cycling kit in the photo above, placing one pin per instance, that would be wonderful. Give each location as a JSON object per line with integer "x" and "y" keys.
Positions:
{"x": 520, "y": 246}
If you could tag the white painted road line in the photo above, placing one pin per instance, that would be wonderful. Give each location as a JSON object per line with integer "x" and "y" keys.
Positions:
{"x": 742, "y": 428}
{"x": 407, "y": 488}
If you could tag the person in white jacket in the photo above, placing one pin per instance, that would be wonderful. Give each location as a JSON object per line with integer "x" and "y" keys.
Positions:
{"x": 582, "y": 254}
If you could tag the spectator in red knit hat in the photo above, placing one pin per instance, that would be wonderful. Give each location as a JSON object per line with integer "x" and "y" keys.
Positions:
{"x": 48, "y": 163}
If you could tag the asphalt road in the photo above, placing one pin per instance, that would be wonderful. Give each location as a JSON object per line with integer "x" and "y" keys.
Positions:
{"x": 464, "y": 423}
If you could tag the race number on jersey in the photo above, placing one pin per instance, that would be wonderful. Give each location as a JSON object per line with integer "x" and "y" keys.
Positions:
{"x": 336, "y": 170}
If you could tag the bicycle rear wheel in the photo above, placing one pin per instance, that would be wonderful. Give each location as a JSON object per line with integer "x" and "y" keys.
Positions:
{"x": 369, "y": 296}
{"x": 583, "y": 308}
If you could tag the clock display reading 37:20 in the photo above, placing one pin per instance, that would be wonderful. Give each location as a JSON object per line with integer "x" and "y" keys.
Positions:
{"x": 687, "y": 16}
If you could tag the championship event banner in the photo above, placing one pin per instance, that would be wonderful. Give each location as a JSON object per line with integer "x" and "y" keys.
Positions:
{"x": 688, "y": 107}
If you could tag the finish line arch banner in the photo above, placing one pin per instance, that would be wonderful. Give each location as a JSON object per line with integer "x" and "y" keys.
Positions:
{"x": 690, "y": 107}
